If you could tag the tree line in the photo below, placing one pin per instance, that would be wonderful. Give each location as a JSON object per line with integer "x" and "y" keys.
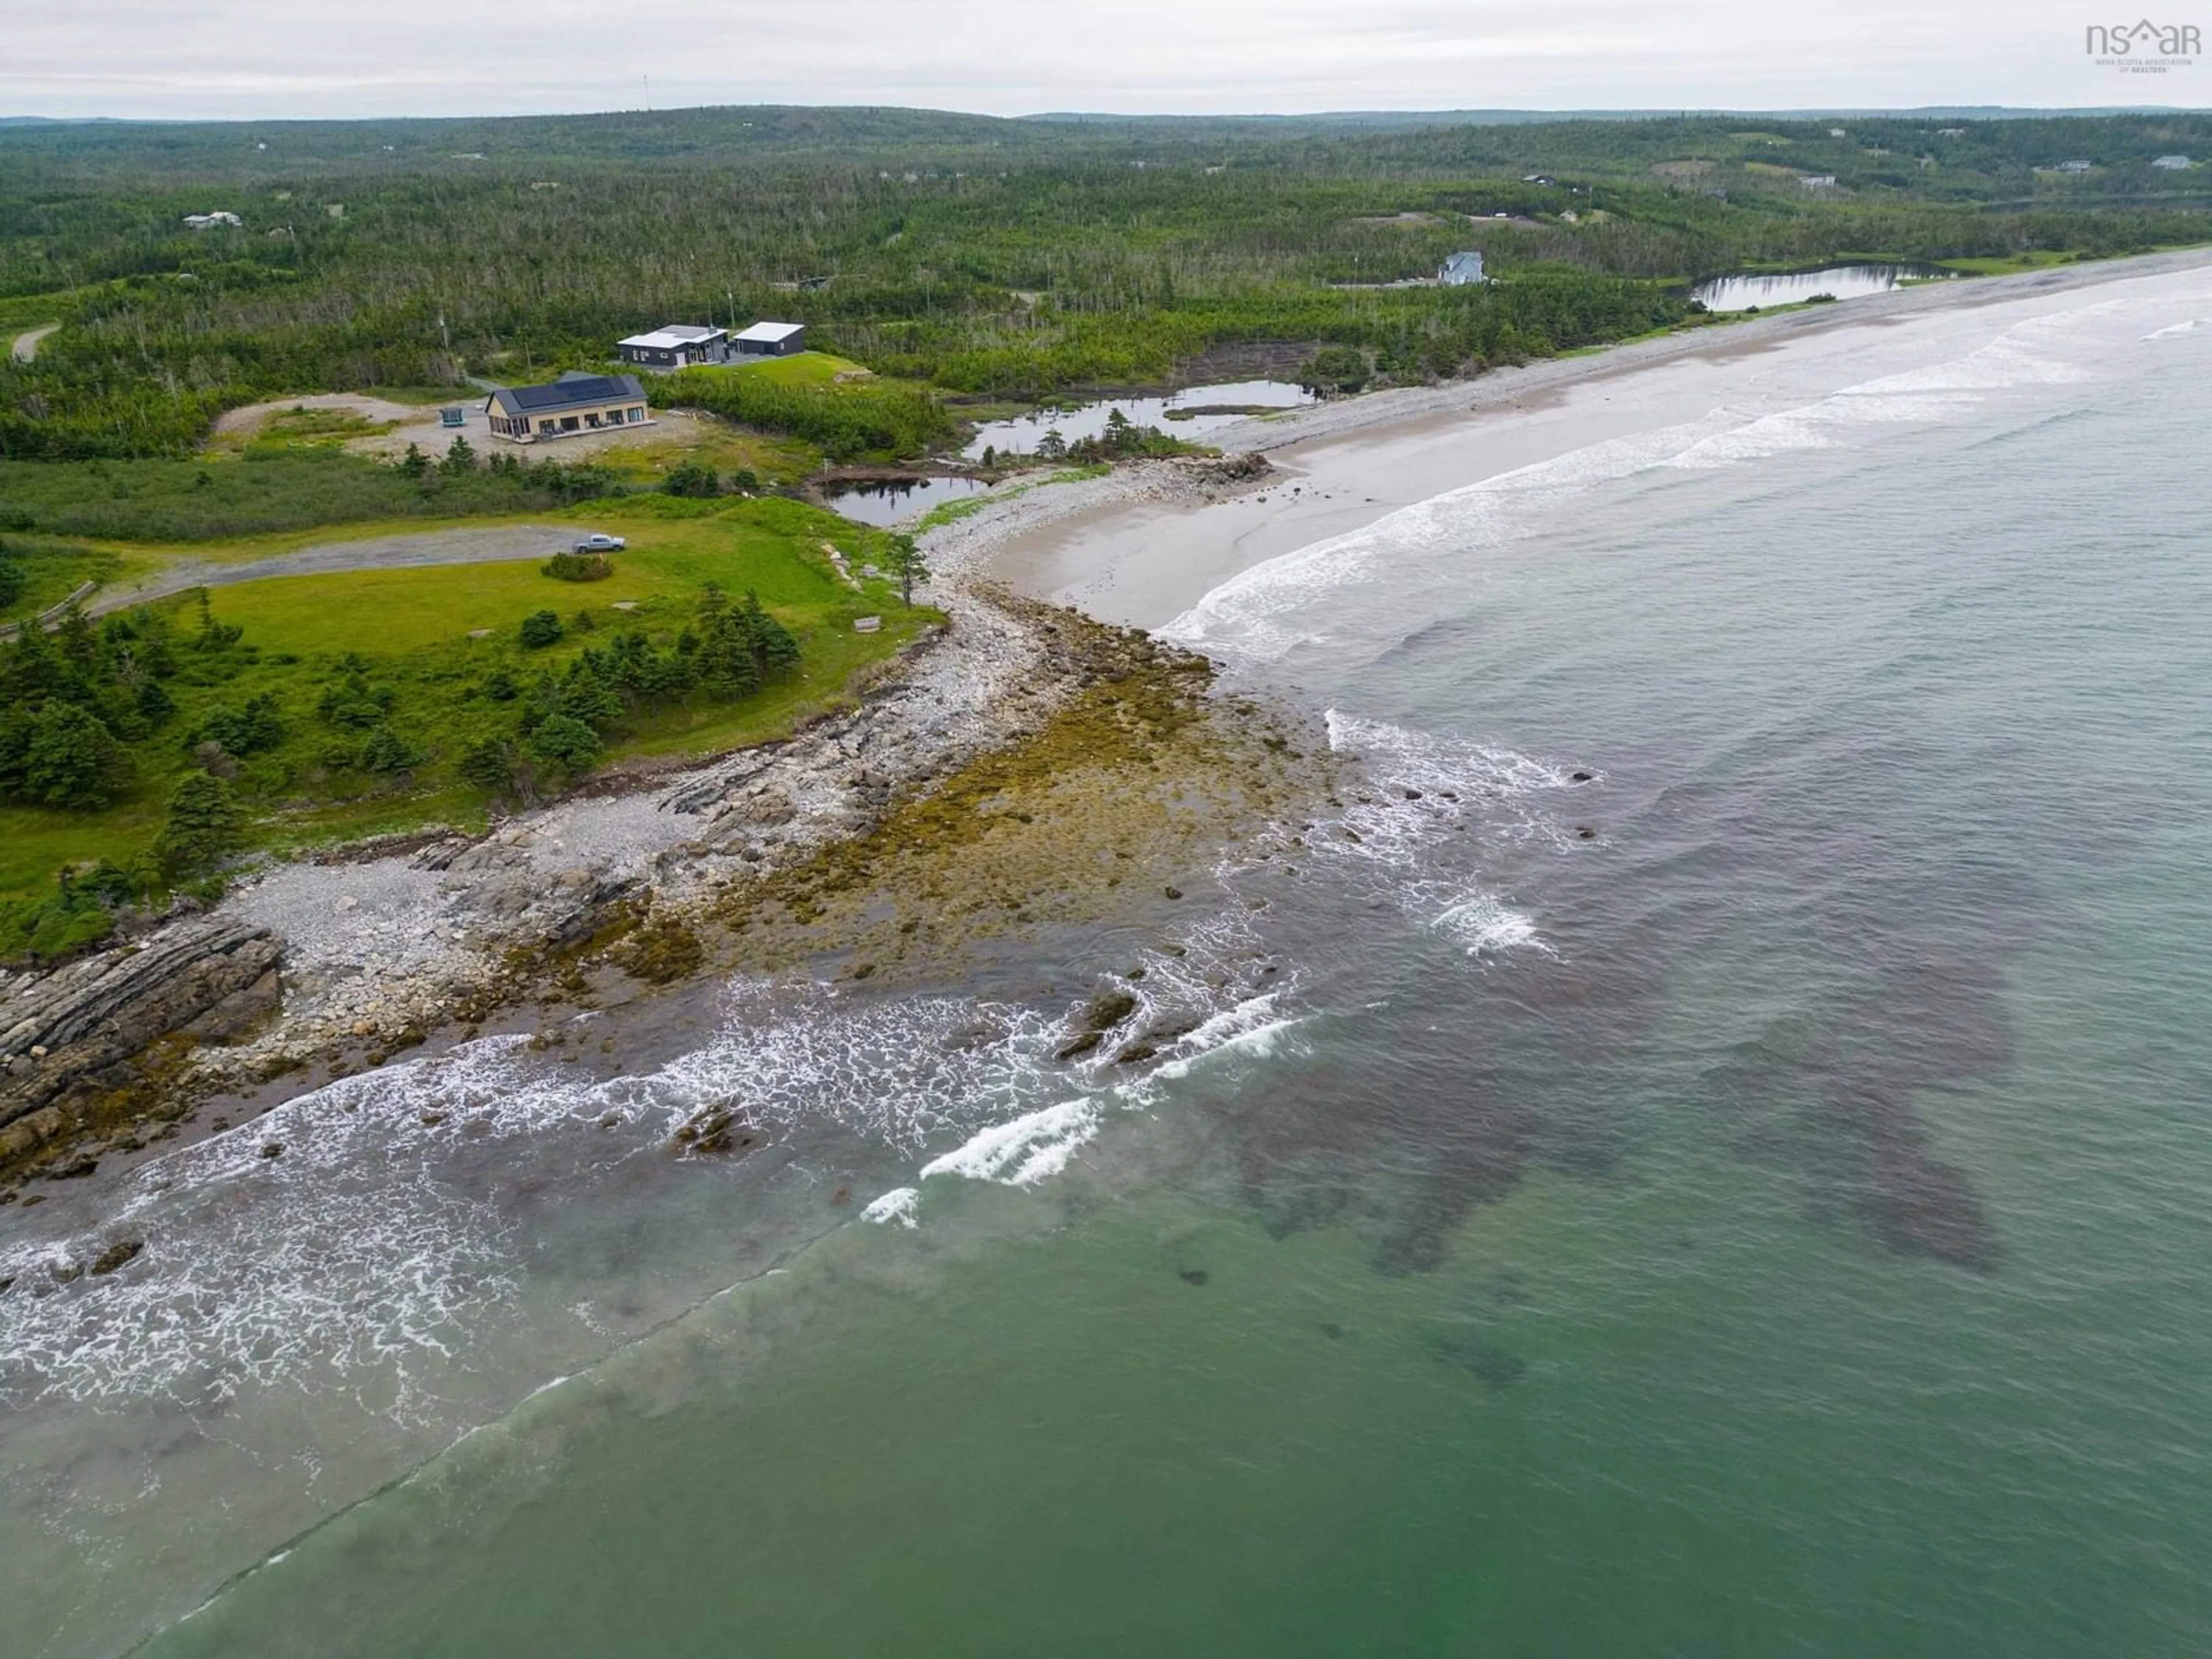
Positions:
{"x": 1005, "y": 259}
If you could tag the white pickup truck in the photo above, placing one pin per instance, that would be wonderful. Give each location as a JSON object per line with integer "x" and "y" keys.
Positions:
{"x": 597, "y": 544}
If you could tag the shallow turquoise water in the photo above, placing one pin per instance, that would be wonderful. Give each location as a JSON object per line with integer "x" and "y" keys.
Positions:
{"x": 1774, "y": 1224}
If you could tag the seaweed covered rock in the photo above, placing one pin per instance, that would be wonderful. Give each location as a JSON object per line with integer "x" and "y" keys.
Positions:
{"x": 1099, "y": 1016}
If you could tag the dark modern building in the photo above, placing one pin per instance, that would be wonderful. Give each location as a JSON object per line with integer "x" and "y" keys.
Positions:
{"x": 771, "y": 340}
{"x": 675, "y": 345}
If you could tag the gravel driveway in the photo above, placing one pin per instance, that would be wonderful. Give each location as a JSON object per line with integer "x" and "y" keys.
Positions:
{"x": 487, "y": 546}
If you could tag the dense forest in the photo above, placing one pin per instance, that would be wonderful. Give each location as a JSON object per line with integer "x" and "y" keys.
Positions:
{"x": 981, "y": 256}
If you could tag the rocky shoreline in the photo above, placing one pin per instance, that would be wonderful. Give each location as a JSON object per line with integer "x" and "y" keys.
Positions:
{"x": 312, "y": 967}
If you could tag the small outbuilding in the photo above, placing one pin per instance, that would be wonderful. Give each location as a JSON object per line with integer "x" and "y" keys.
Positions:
{"x": 1461, "y": 270}
{"x": 574, "y": 404}
{"x": 771, "y": 340}
{"x": 675, "y": 345}
{"x": 2173, "y": 163}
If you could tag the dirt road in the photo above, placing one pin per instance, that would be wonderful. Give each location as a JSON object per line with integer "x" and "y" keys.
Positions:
{"x": 489, "y": 546}
{"x": 26, "y": 343}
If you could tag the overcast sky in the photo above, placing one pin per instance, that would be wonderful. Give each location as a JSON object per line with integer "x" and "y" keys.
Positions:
{"x": 318, "y": 57}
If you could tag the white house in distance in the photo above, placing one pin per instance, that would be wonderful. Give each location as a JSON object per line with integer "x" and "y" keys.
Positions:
{"x": 675, "y": 345}
{"x": 1461, "y": 270}
{"x": 771, "y": 340}
{"x": 2173, "y": 163}
{"x": 209, "y": 221}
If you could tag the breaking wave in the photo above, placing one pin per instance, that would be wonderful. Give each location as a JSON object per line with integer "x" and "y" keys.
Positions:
{"x": 347, "y": 1239}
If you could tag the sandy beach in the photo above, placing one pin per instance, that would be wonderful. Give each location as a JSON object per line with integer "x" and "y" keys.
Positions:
{"x": 1140, "y": 547}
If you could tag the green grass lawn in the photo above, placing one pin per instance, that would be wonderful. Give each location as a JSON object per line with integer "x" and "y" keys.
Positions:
{"x": 411, "y": 631}
{"x": 801, "y": 368}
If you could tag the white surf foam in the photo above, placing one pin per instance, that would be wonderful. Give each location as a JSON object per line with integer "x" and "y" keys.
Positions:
{"x": 1304, "y": 598}
{"x": 378, "y": 1236}
{"x": 896, "y": 1206}
{"x": 1426, "y": 790}
{"x": 1025, "y": 1151}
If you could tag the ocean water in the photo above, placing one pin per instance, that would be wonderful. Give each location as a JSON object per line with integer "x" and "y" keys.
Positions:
{"x": 1706, "y": 1154}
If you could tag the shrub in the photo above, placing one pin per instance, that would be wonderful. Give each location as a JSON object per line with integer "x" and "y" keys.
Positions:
{"x": 541, "y": 628}
{"x": 1335, "y": 369}
{"x": 78, "y": 914}
{"x": 577, "y": 568}
{"x": 489, "y": 765}
{"x": 563, "y": 741}
{"x": 692, "y": 478}
{"x": 385, "y": 750}
{"x": 354, "y": 702}
{"x": 246, "y": 731}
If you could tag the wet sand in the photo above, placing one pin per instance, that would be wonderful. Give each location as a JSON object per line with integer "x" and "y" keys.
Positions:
{"x": 1138, "y": 551}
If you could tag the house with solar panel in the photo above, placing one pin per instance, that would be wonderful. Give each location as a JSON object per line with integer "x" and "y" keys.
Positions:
{"x": 570, "y": 406}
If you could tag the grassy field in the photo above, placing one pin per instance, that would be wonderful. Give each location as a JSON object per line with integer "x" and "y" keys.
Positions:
{"x": 410, "y": 631}
{"x": 716, "y": 443}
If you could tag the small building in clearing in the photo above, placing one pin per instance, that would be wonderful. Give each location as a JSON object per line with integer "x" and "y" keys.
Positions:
{"x": 1461, "y": 270}
{"x": 2173, "y": 163}
{"x": 675, "y": 345}
{"x": 771, "y": 340}
{"x": 209, "y": 221}
{"x": 573, "y": 404}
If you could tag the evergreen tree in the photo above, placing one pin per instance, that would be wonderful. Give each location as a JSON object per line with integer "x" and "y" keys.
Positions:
{"x": 385, "y": 750}
{"x": 773, "y": 647}
{"x": 489, "y": 765}
{"x": 205, "y": 825}
{"x": 62, "y": 755}
{"x": 909, "y": 565}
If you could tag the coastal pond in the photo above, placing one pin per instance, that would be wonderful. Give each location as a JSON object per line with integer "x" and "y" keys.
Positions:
{"x": 1764, "y": 289}
{"x": 886, "y": 501}
{"x": 1185, "y": 414}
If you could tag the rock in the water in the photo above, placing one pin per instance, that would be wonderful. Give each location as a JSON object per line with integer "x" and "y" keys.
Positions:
{"x": 715, "y": 1129}
{"x": 119, "y": 1255}
{"x": 1101, "y": 1015}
